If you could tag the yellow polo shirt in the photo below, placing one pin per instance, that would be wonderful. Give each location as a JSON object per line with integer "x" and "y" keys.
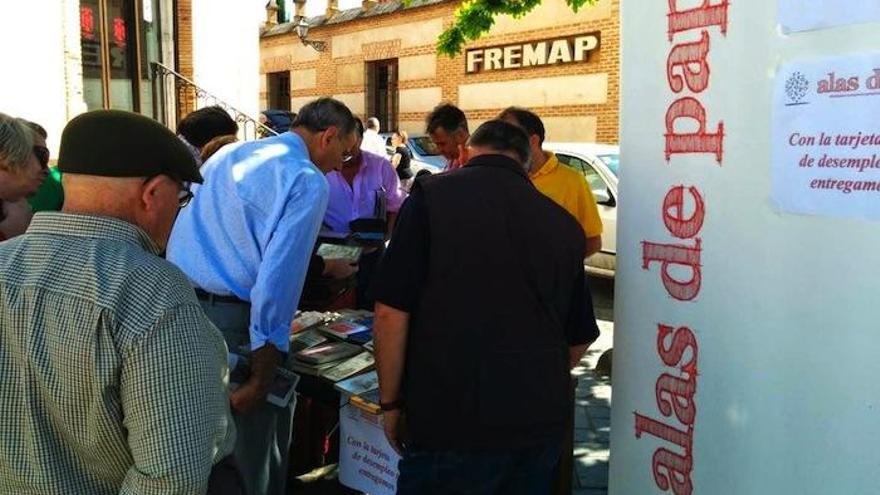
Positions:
{"x": 569, "y": 189}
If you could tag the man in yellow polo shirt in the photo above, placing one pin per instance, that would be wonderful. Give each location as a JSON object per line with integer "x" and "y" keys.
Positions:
{"x": 567, "y": 187}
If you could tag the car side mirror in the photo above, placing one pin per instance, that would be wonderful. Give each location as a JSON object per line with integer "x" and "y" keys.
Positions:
{"x": 603, "y": 197}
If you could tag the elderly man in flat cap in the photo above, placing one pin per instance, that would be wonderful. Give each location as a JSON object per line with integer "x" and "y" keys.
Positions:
{"x": 245, "y": 243}
{"x": 113, "y": 379}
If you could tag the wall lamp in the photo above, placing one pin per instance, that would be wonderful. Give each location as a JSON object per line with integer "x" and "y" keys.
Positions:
{"x": 302, "y": 30}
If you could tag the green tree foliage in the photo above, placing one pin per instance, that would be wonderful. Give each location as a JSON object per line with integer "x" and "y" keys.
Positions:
{"x": 474, "y": 18}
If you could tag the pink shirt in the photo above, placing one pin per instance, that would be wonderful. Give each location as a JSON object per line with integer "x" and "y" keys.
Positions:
{"x": 350, "y": 202}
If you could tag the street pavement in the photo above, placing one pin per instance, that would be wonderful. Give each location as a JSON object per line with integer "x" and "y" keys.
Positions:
{"x": 592, "y": 410}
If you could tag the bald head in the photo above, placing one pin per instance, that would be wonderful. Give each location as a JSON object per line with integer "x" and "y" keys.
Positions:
{"x": 150, "y": 204}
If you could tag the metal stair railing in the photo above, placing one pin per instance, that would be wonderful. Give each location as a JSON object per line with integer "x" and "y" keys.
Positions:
{"x": 190, "y": 96}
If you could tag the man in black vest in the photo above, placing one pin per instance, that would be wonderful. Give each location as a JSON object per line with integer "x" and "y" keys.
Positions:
{"x": 482, "y": 309}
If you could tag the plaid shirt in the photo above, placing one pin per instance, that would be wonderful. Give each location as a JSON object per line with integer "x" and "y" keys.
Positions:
{"x": 112, "y": 380}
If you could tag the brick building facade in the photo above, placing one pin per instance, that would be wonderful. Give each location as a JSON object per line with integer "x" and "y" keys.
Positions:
{"x": 381, "y": 60}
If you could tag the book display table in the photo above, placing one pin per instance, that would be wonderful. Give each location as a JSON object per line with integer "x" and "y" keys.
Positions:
{"x": 332, "y": 354}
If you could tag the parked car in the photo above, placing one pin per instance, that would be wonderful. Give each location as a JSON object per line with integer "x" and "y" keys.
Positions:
{"x": 425, "y": 155}
{"x": 599, "y": 163}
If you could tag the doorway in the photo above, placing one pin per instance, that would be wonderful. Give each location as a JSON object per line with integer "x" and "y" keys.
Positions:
{"x": 381, "y": 92}
{"x": 279, "y": 90}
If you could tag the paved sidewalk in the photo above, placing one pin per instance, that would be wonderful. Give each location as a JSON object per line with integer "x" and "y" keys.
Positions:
{"x": 592, "y": 420}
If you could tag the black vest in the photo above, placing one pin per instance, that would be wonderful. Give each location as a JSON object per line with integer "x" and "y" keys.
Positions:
{"x": 487, "y": 357}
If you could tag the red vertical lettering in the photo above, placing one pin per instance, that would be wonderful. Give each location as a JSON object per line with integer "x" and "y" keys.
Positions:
{"x": 663, "y": 431}
{"x": 673, "y": 212}
{"x": 673, "y": 471}
{"x": 699, "y": 17}
{"x": 672, "y": 354}
{"x": 677, "y": 394}
{"x": 675, "y": 254}
{"x": 684, "y": 57}
{"x": 692, "y": 142}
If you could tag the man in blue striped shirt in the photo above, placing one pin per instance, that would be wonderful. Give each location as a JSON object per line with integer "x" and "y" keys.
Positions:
{"x": 245, "y": 244}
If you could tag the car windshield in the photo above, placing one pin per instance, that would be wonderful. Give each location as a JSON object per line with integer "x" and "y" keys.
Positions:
{"x": 424, "y": 146}
{"x": 612, "y": 162}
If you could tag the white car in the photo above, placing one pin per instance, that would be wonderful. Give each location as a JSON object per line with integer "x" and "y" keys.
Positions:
{"x": 599, "y": 163}
{"x": 425, "y": 155}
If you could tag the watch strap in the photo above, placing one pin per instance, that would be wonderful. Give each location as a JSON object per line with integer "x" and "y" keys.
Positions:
{"x": 391, "y": 406}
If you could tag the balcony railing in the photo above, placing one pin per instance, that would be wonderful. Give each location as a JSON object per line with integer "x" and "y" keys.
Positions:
{"x": 189, "y": 96}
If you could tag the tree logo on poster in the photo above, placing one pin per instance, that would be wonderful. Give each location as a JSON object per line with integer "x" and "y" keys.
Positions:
{"x": 796, "y": 88}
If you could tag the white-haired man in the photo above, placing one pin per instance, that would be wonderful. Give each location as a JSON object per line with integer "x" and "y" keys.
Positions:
{"x": 373, "y": 142}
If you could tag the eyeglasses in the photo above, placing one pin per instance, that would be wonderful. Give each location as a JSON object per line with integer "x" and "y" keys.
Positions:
{"x": 42, "y": 154}
{"x": 184, "y": 196}
{"x": 346, "y": 155}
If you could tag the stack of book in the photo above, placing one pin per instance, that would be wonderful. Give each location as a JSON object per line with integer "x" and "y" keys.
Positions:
{"x": 334, "y": 350}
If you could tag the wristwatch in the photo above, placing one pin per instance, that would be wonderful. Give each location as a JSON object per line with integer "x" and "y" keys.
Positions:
{"x": 391, "y": 406}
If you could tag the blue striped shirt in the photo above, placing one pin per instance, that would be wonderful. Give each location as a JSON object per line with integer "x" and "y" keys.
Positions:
{"x": 251, "y": 228}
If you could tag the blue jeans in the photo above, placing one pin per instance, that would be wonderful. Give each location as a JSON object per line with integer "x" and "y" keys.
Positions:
{"x": 526, "y": 471}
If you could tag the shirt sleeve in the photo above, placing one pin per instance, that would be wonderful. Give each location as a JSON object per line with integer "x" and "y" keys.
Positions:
{"x": 175, "y": 407}
{"x": 391, "y": 182}
{"x": 404, "y": 267}
{"x": 588, "y": 212}
{"x": 285, "y": 262}
{"x": 581, "y": 327}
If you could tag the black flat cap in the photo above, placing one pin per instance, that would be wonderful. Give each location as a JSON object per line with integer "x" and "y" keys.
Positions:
{"x": 114, "y": 143}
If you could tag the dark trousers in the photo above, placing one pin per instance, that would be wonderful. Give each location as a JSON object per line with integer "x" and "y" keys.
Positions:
{"x": 262, "y": 447}
{"x": 225, "y": 479}
{"x": 527, "y": 471}
{"x": 367, "y": 267}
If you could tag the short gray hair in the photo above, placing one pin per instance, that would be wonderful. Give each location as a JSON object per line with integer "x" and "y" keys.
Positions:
{"x": 16, "y": 143}
{"x": 322, "y": 113}
{"x": 373, "y": 123}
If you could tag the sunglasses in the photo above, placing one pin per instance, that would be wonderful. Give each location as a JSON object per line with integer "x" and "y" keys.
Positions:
{"x": 42, "y": 154}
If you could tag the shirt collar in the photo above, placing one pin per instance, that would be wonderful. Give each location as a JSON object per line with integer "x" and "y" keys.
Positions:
{"x": 498, "y": 161}
{"x": 548, "y": 167}
{"x": 92, "y": 226}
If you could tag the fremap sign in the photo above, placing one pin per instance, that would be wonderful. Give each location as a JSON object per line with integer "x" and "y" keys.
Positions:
{"x": 556, "y": 51}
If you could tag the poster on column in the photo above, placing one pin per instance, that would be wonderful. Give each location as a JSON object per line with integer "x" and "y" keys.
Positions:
{"x": 745, "y": 343}
{"x": 826, "y": 137}
{"x": 366, "y": 460}
{"x": 806, "y": 15}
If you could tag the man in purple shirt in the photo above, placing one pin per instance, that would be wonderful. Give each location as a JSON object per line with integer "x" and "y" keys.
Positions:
{"x": 357, "y": 191}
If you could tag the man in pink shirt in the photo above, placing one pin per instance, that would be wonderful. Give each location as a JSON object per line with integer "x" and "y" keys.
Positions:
{"x": 367, "y": 187}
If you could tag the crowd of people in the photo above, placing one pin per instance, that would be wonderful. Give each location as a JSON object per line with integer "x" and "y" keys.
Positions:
{"x": 131, "y": 270}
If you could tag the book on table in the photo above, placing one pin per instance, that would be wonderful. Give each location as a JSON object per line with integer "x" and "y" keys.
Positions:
{"x": 367, "y": 401}
{"x": 359, "y": 384}
{"x": 329, "y": 251}
{"x": 306, "y": 339}
{"x": 328, "y": 352}
{"x": 344, "y": 329}
{"x": 349, "y": 367}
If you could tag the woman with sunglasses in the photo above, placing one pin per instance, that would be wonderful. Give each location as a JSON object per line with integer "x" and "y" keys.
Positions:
{"x": 50, "y": 196}
{"x": 21, "y": 174}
